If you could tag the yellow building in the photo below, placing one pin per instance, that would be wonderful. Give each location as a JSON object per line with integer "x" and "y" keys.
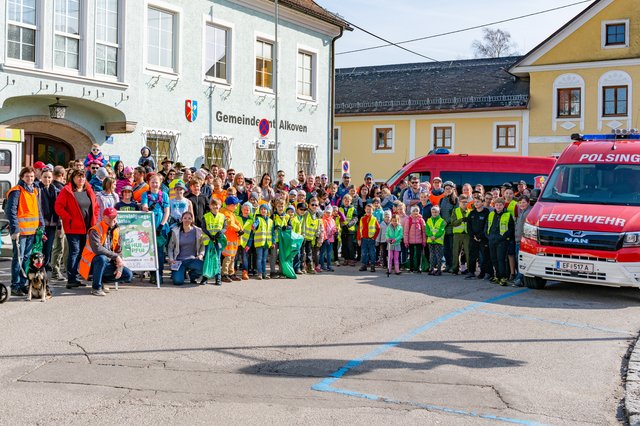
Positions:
{"x": 582, "y": 77}
{"x": 579, "y": 80}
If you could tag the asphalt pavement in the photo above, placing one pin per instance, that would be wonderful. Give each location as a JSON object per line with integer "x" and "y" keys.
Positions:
{"x": 335, "y": 348}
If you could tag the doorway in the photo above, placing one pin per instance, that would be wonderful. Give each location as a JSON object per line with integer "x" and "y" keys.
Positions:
{"x": 48, "y": 149}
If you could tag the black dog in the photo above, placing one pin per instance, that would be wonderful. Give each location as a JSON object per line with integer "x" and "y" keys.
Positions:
{"x": 38, "y": 281}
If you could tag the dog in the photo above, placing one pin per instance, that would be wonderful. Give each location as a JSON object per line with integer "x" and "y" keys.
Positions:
{"x": 37, "y": 279}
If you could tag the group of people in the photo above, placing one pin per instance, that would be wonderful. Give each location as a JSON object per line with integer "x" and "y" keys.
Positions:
{"x": 217, "y": 225}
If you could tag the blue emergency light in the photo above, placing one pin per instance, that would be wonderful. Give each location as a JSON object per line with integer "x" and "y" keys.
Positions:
{"x": 626, "y": 134}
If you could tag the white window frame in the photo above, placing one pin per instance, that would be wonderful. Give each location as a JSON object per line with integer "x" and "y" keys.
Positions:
{"x": 339, "y": 129}
{"x": 119, "y": 45}
{"x": 271, "y": 148}
{"x": 432, "y": 136}
{"x": 174, "y": 134}
{"x": 314, "y": 73}
{"x": 230, "y": 28}
{"x": 37, "y": 37}
{"x": 313, "y": 167}
{"x": 494, "y": 141}
{"x": 227, "y": 141}
{"x": 177, "y": 29}
{"x": 604, "y": 34}
{"x": 375, "y": 139}
{"x": 267, "y": 39}
{"x": 615, "y": 78}
{"x": 81, "y": 37}
{"x": 568, "y": 81}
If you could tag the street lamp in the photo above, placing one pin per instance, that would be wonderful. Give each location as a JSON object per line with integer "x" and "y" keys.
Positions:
{"x": 57, "y": 111}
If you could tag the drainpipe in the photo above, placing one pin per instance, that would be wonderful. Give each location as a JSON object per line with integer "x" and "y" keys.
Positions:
{"x": 332, "y": 94}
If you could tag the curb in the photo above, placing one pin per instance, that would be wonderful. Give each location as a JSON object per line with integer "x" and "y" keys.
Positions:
{"x": 632, "y": 388}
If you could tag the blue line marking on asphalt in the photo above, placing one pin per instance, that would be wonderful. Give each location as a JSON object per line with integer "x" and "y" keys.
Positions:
{"x": 556, "y": 322}
{"x": 325, "y": 385}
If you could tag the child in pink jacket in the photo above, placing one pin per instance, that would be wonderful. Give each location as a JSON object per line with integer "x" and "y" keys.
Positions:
{"x": 330, "y": 231}
{"x": 415, "y": 238}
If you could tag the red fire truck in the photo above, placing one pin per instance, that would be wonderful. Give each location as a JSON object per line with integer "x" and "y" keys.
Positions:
{"x": 585, "y": 227}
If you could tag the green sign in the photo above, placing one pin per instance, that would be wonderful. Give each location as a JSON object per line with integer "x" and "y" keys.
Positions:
{"x": 138, "y": 240}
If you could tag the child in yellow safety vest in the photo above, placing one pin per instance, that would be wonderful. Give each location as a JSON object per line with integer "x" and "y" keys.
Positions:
{"x": 435, "y": 229}
{"x": 215, "y": 225}
{"x": 263, "y": 239}
{"x": 296, "y": 216}
{"x": 368, "y": 230}
{"x": 311, "y": 230}
{"x": 280, "y": 222}
{"x": 460, "y": 234}
{"x": 245, "y": 254}
{"x": 500, "y": 232}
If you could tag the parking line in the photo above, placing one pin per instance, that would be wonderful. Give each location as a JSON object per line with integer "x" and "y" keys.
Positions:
{"x": 556, "y": 322}
{"x": 326, "y": 385}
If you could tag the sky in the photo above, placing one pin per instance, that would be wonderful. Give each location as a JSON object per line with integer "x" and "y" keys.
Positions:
{"x": 398, "y": 20}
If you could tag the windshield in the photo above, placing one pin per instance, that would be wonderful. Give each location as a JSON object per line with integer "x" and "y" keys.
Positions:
{"x": 615, "y": 184}
{"x": 397, "y": 175}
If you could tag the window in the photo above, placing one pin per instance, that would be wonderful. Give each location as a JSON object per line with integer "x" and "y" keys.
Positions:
{"x": 217, "y": 53}
{"x": 384, "y": 139}
{"x": 265, "y": 160}
{"x": 337, "y": 137}
{"x": 306, "y": 159}
{"x": 506, "y": 136}
{"x": 5, "y": 161}
{"x": 161, "y": 39}
{"x": 614, "y": 101}
{"x": 216, "y": 151}
{"x": 569, "y": 101}
{"x": 67, "y": 34}
{"x": 21, "y": 30}
{"x": 264, "y": 64}
{"x": 107, "y": 37}
{"x": 442, "y": 137}
{"x": 162, "y": 144}
{"x": 305, "y": 75}
{"x": 616, "y": 34}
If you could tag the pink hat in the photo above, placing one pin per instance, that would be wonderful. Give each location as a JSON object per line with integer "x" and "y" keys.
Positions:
{"x": 128, "y": 169}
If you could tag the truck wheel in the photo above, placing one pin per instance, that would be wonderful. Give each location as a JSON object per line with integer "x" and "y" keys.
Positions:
{"x": 4, "y": 293}
{"x": 536, "y": 283}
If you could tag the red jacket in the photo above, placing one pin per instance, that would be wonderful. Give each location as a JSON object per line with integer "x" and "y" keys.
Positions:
{"x": 69, "y": 211}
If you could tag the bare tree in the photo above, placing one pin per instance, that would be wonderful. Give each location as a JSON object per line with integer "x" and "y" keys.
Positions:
{"x": 494, "y": 44}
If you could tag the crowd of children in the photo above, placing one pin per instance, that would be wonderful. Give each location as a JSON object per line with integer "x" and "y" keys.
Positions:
{"x": 216, "y": 224}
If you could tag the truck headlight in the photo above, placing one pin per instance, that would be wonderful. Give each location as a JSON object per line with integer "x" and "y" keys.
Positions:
{"x": 631, "y": 239}
{"x": 530, "y": 232}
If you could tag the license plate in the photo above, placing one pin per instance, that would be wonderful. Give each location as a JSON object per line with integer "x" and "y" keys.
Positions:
{"x": 574, "y": 266}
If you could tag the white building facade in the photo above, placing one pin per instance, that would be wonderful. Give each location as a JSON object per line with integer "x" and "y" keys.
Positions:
{"x": 191, "y": 79}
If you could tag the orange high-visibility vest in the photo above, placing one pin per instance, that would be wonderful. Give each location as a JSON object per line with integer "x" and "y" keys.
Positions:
{"x": 28, "y": 212}
{"x": 87, "y": 254}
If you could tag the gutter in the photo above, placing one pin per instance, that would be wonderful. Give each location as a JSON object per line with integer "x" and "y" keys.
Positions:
{"x": 332, "y": 94}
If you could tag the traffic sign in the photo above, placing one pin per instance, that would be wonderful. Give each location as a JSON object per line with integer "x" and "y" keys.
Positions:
{"x": 263, "y": 143}
{"x": 264, "y": 127}
{"x": 346, "y": 167}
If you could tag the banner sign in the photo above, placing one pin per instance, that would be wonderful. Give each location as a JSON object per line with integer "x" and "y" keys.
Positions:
{"x": 138, "y": 240}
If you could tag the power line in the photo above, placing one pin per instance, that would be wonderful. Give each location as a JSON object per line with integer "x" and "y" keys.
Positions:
{"x": 389, "y": 43}
{"x": 454, "y": 31}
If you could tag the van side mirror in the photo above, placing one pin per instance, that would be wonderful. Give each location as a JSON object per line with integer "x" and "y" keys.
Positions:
{"x": 535, "y": 194}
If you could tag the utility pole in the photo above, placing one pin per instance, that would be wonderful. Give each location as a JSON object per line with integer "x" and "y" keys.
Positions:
{"x": 275, "y": 86}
